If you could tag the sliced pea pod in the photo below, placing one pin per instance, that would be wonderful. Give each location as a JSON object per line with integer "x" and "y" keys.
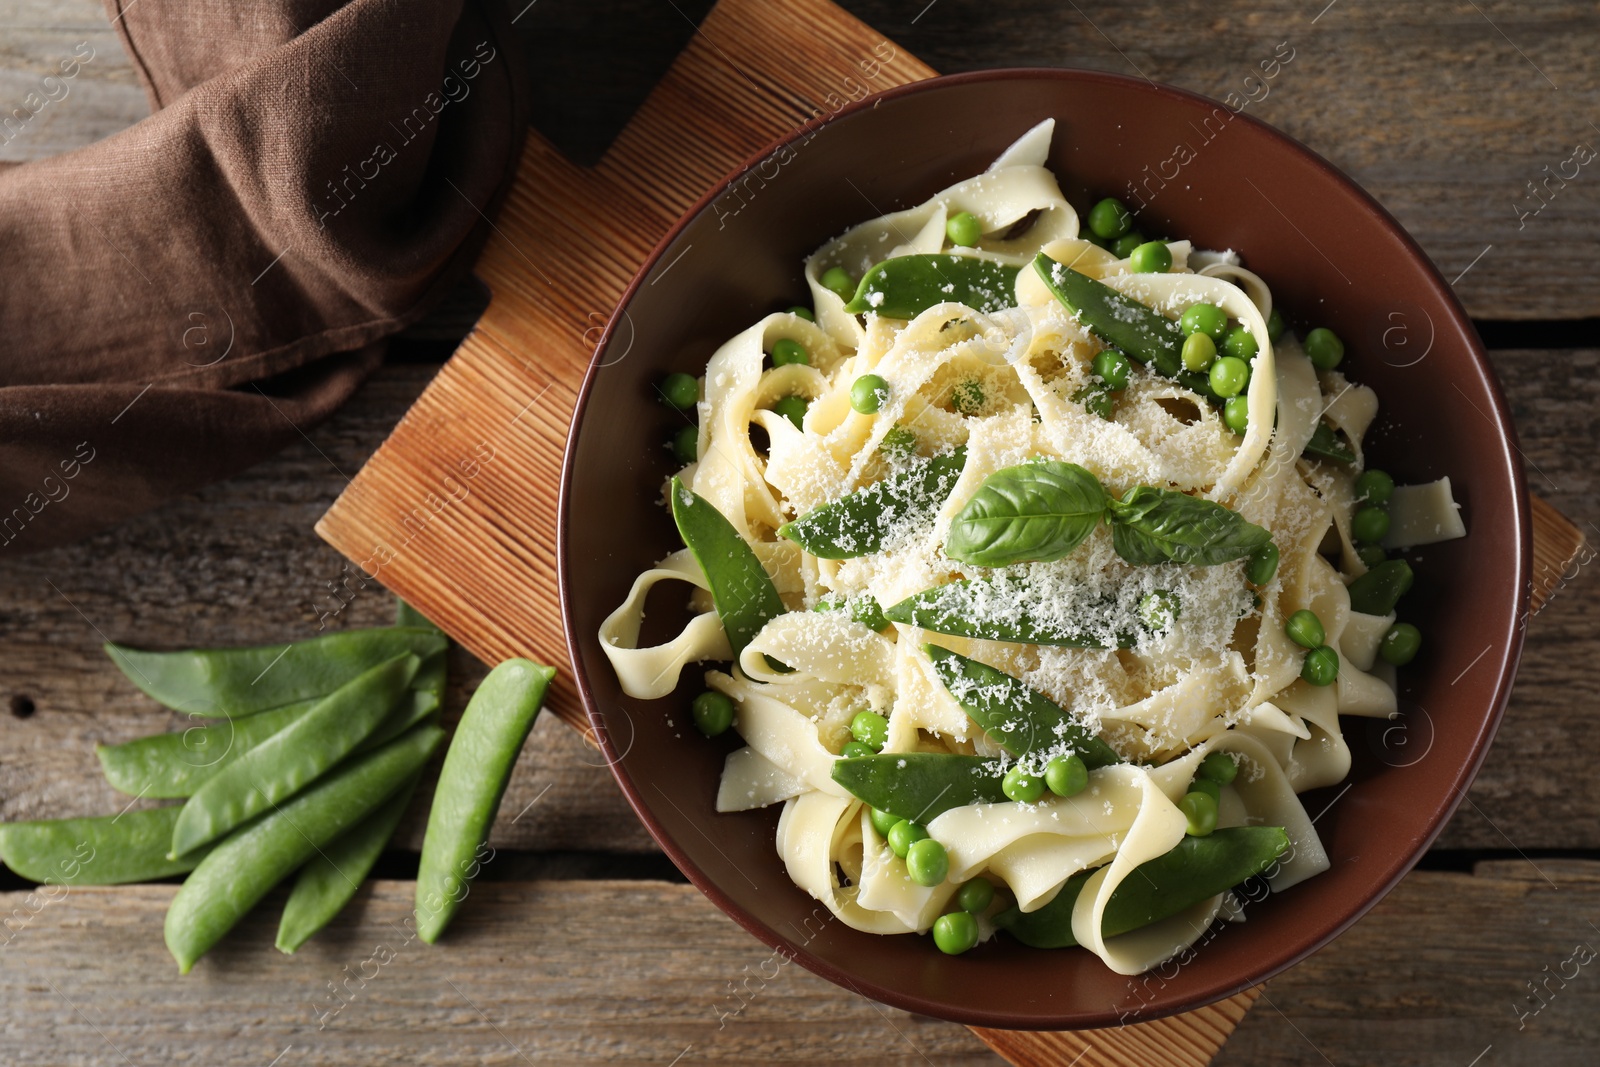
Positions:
{"x": 1195, "y": 869}
{"x": 294, "y": 757}
{"x": 1325, "y": 444}
{"x": 862, "y": 522}
{"x": 1120, "y": 321}
{"x": 906, "y": 286}
{"x": 108, "y": 850}
{"x": 331, "y": 878}
{"x": 1018, "y": 717}
{"x": 920, "y": 785}
{"x": 955, "y": 610}
{"x": 1380, "y": 589}
{"x": 230, "y": 682}
{"x": 234, "y": 877}
{"x": 745, "y": 597}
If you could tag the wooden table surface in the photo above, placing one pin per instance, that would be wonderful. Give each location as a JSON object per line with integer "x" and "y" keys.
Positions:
{"x": 582, "y": 944}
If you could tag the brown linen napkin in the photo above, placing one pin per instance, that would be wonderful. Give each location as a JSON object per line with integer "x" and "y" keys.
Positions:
{"x": 186, "y": 297}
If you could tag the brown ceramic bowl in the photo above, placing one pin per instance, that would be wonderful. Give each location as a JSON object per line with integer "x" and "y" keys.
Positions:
{"x": 1332, "y": 256}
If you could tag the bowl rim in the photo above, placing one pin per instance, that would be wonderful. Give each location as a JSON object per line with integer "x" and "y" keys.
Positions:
{"x": 1276, "y": 961}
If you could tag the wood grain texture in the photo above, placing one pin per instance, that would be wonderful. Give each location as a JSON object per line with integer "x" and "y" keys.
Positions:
{"x": 639, "y": 973}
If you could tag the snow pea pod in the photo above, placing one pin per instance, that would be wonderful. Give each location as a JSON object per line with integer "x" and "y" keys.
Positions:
{"x": 1380, "y": 589}
{"x": 862, "y": 522}
{"x": 744, "y": 595}
{"x": 409, "y": 617}
{"x": 1325, "y": 444}
{"x": 230, "y": 682}
{"x": 332, "y": 877}
{"x": 1016, "y": 715}
{"x": 298, "y": 754}
{"x": 229, "y": 881}
{"x": 109, "y": 850}
{"x": 471, "y": 783}
{"x": 1120, "y": 321}
{"x": 1195, "y": 869}
{"x": 906, "y": 286}
{"x": 919, "y": 785}
{"x": 965, "y": 608}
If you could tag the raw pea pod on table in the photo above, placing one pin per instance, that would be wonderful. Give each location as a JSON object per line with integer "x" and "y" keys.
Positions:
{"x": 106, "y": 850}
{"x": 906, "y": 286}
{"x": 1120, "y": 321}
{"x": 295, "y": 756}
{"x": 471, "y": 783}
{"x": 174, "y": 765}
{"x": 1020, "y": 718}
{"x": 742, "y": 590}
{"x": 920, "y": 785}
{"x": 230, "y": 682}
{"x": 241, "y": 870}
{"x": 1195, "y": 869}
{"x": 855, "y": 525}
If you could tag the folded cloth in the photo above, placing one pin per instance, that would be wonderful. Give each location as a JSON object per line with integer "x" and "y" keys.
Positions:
{"x": 188, "y": 296}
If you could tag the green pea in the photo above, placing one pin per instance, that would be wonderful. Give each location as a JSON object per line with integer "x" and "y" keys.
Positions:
{"x": 1400, "y": 645}
{"x": 1229, "y": 376}
{"x": 838, "y": 281}
{"x": 869, "y": 393}
{"x": 1123, "y": 246}
{"x": 1324, "y": 348}
{"x": 1113, "y": 368}
{"x": 1236, "y": 414}
{"x": 927, "y": 862}
{"x": 884, "y": 821}
{"x": 1305, "y": 629}
{"x": 1206, "y": 786}
{"x": 686, "y": 445}
{"x": 967, "y": 396}
{"x": 1066, "y": 776}
{"x": 870, "y": 728}
{"x": 1275, "y": 325}
{"x": 803, "y": 312}
{"x": 1198, "y": 352}
{"x": 1160, "y": 609}
{"x": 1218, "y": 767}
{"x": 792, "y": 408}
{"x": 1371, "y": 555}
{"x": 1022, "y": 786}
{"x": 1099, "y": 402}
{"x": 854, "y": 749}
{"x": 902, "y": 835}
{"x": 1109, "y": 219}
{"x": 1321, "y": 666}
{"x": 1240, "y": 344}
{"x": 1201, "y": 811}
{"x": 713, "y": 712}
{"x": 1207, "y": 319}
{"x": 963, "y": 228}
{"x": 1374, "y": 486}
{"x": 679, "y": 391}
{"x": 955, "y": 933}
{"x": 898, "y": 443}
{"x": 1263, "y": 564}
{"x": 786, "y": 350}
{"x": 1369, "y": 525}
{"x": 1152, "y": 257}
{"x": 975, "y": 896}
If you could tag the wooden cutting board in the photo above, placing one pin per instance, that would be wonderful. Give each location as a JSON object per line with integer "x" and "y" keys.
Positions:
{"x": 457, "y": 511}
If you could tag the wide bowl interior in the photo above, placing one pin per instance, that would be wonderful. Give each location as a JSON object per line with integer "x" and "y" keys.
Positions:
{"x": 1332, "y": 257}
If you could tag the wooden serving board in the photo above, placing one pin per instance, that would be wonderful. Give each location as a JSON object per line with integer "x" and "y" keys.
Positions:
{"x": 457, "y": 511}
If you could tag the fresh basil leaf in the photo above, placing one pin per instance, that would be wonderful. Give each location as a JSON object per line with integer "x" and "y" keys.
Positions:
{"x": 1150, "y": 525}
{"x": 906, "y": 286}
{"x": 1033, "y": 512}
{"x": 1012, "y": 608}
{"x": 1018, "y": 717}
{"x": 863, "y": 522}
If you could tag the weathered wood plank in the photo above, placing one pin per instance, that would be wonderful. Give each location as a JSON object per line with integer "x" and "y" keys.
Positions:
{"x": 1437, "y": 973}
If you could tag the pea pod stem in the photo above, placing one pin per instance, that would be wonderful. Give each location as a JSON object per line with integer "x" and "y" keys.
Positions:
{"x": 476, "y": 769}
{"x": 295, "y": 756}
{"x": 1196, "y": 869}
{"x": 236, "y": 874}
{"x": 106, "y": 850}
